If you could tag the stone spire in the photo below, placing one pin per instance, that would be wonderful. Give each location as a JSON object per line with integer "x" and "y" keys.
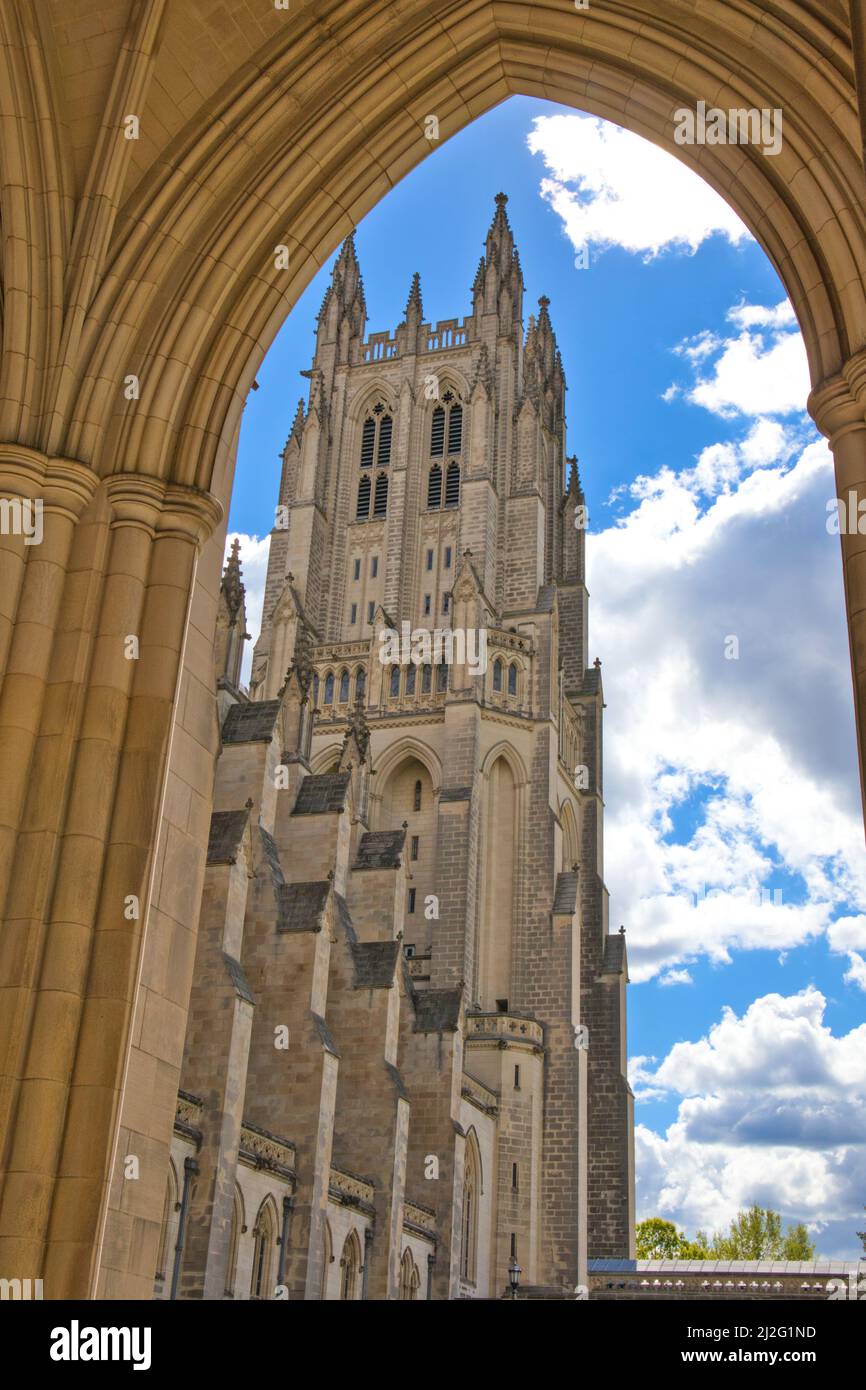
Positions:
{"x": 343, "y": 314}
{"x": 298, "y": 422}
{"x": 543, "y": 377}
{"x": 498, "y": 285}
{"x": 232, "y": 582}
{"x": 414, "y": 306}
{"x": 356, "y": 739}
{"x": 231, "y": 624}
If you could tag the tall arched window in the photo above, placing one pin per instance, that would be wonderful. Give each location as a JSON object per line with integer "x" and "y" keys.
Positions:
{"x": 452, "y": 485}
{"x": 234, "y": 1239}
{"x": 383, "y": 453}
{"x": 368, "y": 442}
{"x": 376, "y": 438}
{"x": 471, "y": 1200}
{"x": 344, "y": 687}
{"x": 434, "y": 487}
{"x": 360, "y": 682}
{"x": 350, "y": 1267}
{"x": 512, "y": 680}
{"x": 416, "y": 797}
{"x": 441, "y": 677}
{"x": 327, "y": 1259}
{"x": 365, "y": 487}
{"x": 380, "y": 501}
{"x": 410, "y": 1279}
{"x": 395, "y": 682}
{"x": 497, "y": 674}
{"x": 163, "y": 1258}
{"x": 446, "y": 426}
{"x": 329, "y": 688}
{"x": 437, "y": 433}
{"x": 410, "y": 679}
{"x": 426, "y": 673}
{"x": 455, "y": 429}
{"x": 264, "y": 1238}
{"x": 315, "y": 688}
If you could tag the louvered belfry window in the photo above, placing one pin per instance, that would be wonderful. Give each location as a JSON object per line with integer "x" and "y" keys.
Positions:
{"x": 455, "y": 429}
{"x": 434, "y": 487}
{"x": 368, "y": 441}
{"x": 446, "y": 441}
{"x": 376, "y": 437}
{"x": 383, "y": 455}
{"x": 452, "y": 485}
{"x": 380, "y": 502}
{"x": 446, "y": 424}
{"x": 437, "y": 433}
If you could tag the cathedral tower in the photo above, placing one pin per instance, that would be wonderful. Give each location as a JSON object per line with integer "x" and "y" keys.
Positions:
{"x": 406, "y": 866}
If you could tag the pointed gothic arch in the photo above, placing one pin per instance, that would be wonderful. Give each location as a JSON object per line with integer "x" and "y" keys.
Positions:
{"x": 164, "y": 1253}
{"x": 410, "y": 1278}
{"x": 502, "y": 814}
{"x": 327, "y": 1258}
{"x": 350, "y": 1268}
{"x": 569, "y": 819}
{"x": 238, "y": 1223}
{"x": 470, "y": 1207}
{"x": 177, "y": 273}
{"x": 265, "y": 1233}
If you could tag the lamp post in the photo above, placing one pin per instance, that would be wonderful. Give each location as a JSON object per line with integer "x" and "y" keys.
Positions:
{"x": 514, "y": 1273}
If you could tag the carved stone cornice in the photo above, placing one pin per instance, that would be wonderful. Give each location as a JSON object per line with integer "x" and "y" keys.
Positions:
{"x": 350, "y": 1190}
{"x": 503, "y": 1030}
{"x": 420, "y": 1220}
{"x": 261, "y": 1149}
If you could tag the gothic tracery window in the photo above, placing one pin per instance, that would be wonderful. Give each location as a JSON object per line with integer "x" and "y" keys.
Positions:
{"x": 264, "y": 1237}
{"x": 446, "y": 426}
{"x": 350, "y": 1267}
{"x": 344, "y": 687}
{"x": 376, "y": 436}
{"x": 469, "y": 1222}
{"x": 512, "y": 680}
{"x": 410, "y": 1279}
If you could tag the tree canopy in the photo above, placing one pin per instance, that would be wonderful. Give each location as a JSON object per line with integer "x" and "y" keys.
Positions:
{"x": 754, "y": 1234}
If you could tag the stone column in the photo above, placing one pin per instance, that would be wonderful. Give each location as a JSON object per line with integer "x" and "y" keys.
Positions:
{"x": 36, "y": 680}
{"x": 110, "y": 725}
{"x": 838, "y": 407}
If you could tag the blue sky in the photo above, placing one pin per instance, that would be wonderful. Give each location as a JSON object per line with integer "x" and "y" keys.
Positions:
{"x": 730, "y": 766}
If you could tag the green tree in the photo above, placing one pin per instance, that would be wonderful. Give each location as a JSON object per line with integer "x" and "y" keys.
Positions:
{"x": 658, "y": 1239}
{"x": 861, "y": 1235}
{"x": 755, "y": 1234}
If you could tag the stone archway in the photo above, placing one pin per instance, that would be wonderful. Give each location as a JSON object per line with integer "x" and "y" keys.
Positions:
{"x": 142, "y": 284}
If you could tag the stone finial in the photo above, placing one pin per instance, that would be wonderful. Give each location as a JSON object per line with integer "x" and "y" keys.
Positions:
{"x": 232, "y": 583}
{"x": 414, "y": 305}
{"x": 501, "y": 200}
{"x": 358, "y": 728}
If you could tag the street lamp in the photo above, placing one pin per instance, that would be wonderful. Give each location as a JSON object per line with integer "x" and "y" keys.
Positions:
{"x": 514, "y": 1273}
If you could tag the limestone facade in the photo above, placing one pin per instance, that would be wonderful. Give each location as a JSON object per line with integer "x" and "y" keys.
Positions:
{"x": 404, "y": 983}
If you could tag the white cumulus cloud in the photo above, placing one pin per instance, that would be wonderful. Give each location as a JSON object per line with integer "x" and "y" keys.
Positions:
{"x": 772, "y": 1110}
{"x": 613, "y": 188}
